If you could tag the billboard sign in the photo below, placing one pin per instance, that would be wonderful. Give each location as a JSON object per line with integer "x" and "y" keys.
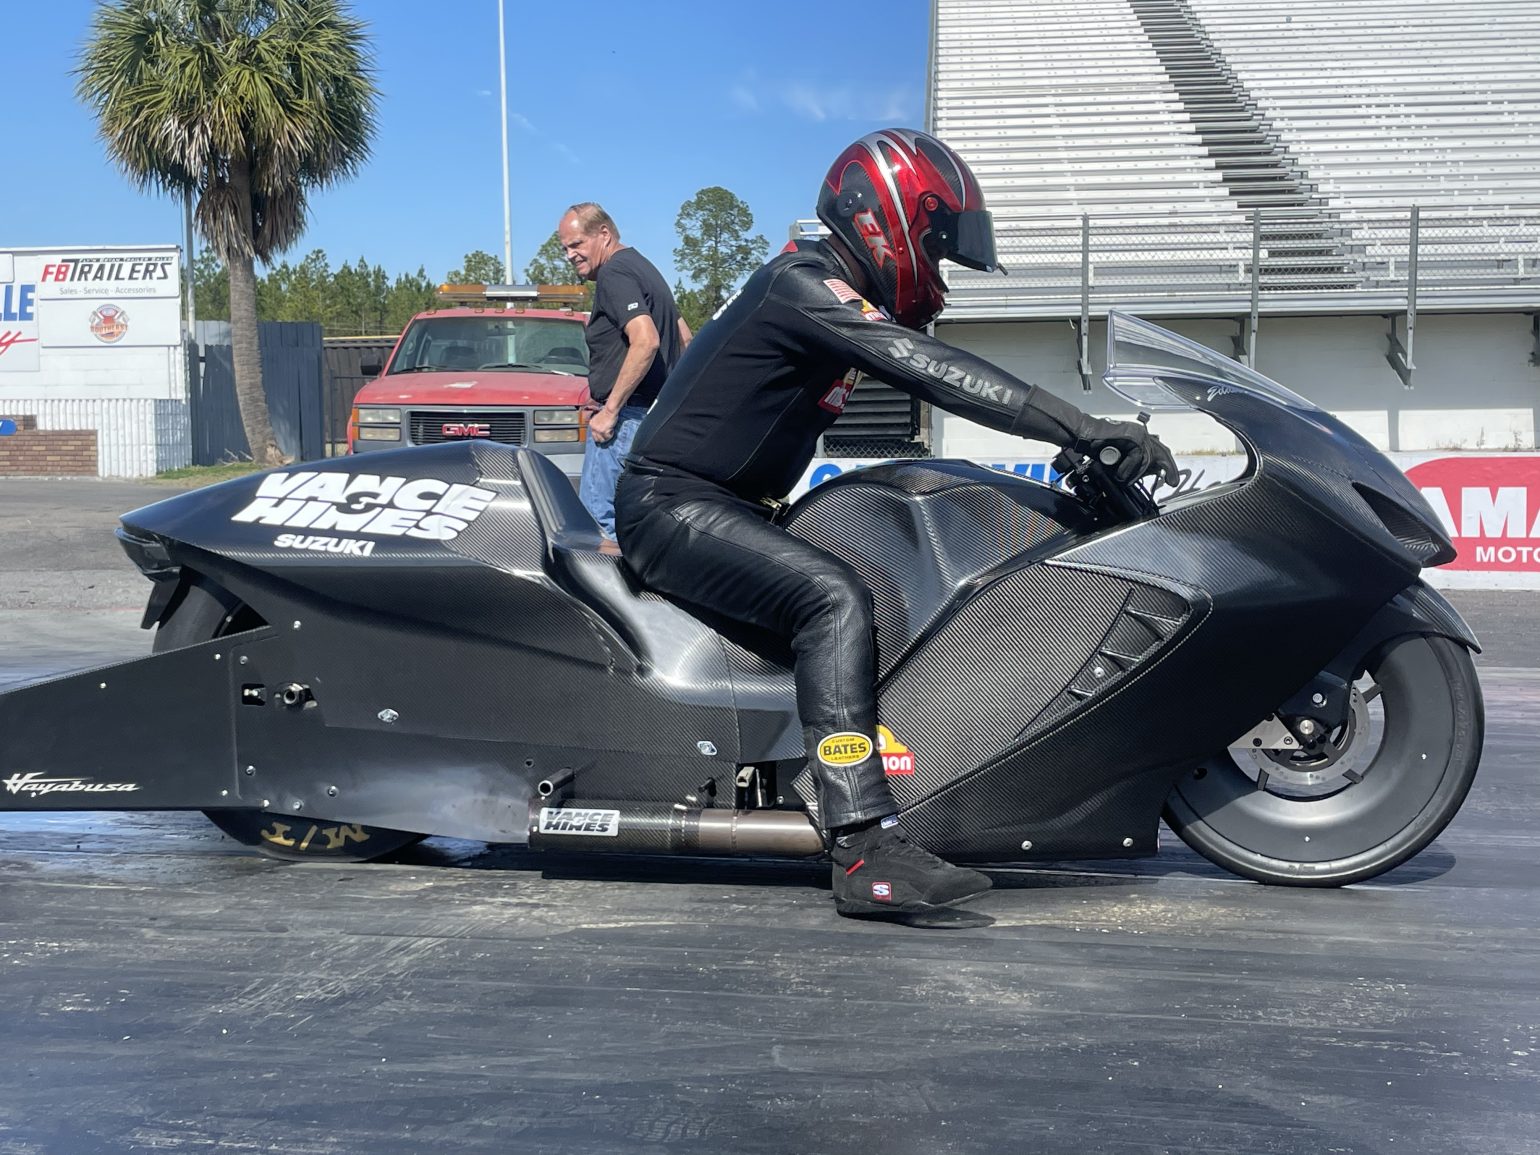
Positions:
{"x": 84, "y": 299}
{"x": 18, "y": 327}
{"x": 108, "y": 276}
{"x": 1490, "y": 507}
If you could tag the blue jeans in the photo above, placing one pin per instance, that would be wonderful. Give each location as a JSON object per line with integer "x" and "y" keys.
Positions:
{"x": 601, "y": 468}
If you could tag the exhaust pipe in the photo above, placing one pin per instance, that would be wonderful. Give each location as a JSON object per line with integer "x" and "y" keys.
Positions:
{"x": 558, "y": 781}
{"x": 664, "y": 828}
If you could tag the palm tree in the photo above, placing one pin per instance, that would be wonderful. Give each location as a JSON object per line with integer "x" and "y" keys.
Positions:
{"x": 244, "y": 105}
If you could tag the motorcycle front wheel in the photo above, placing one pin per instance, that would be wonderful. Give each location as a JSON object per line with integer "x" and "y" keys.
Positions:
{"x": 202, "y": 613}
{"x": 1376, "y": 792}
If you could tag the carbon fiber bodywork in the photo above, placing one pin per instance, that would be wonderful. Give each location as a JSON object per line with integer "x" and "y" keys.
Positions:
{"x": 451, "y": 634}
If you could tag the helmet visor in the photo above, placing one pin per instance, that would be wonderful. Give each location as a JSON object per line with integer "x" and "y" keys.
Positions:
{"x": 975, "y": 242}
{"x": 966, "y": 237}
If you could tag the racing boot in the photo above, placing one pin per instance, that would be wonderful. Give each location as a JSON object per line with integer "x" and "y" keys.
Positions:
{"x": 880, "y": 873}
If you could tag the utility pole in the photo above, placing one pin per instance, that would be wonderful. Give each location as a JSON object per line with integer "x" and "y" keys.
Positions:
{"x": 187, "y": 224}
{"x": 502, "y": 73}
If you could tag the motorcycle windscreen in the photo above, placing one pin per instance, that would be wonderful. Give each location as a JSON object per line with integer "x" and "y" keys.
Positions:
{"x": 1141, "y": 354}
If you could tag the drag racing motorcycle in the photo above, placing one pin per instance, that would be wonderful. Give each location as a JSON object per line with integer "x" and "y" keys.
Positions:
{"x": 352, "y": 654}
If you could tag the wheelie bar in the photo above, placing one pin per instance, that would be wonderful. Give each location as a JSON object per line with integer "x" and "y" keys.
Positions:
{"x": 661, "y": 828}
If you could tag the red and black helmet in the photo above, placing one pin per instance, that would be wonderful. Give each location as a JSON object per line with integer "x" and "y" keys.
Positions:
{"x": 902, "y": 201}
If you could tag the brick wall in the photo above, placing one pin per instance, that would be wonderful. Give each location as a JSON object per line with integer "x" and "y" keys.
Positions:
{"x": 34, "y": 452}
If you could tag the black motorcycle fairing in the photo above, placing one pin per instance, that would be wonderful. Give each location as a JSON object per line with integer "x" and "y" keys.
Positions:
{"x": 1417, "y": 609}
{"x": 1317, "y": 455}
{"x": 481, "y": 634}
{"x": 1216, "y": 574}
{"x": 924, "y": 534}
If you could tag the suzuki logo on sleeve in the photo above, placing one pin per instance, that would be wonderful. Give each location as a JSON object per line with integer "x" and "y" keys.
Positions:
{"x": 1002, "y": 395}
{"x": 466, "y": 429}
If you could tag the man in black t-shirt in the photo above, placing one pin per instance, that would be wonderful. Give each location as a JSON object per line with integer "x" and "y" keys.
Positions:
{"x": 635, "y": 336}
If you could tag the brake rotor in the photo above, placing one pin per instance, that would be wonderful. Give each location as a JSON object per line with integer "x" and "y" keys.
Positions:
{"x": 1337, "y": 760}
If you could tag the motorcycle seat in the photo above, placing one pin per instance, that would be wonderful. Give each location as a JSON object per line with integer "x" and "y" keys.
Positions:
{"x": 659, "y": 633}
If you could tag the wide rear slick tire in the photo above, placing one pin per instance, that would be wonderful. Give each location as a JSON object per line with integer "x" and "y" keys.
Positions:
{"x": 202, "y": 612}
{"x": 1331, "y": 828}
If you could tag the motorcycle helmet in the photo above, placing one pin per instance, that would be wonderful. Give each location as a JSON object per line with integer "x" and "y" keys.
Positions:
{"x": 901, "y": 201}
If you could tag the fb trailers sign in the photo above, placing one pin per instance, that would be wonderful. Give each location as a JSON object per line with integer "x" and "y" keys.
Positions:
{"x": 1489, "y": 506}
{"x": 367, "y": 503}
{"x": 85, "y": 299}
{"x": 99, "y": 276}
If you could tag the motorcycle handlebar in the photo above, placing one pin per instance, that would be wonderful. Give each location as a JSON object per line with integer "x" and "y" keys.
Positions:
{"x": 1094, "y": 480}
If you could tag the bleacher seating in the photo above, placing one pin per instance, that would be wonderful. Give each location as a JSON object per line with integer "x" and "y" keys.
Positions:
{"x": 1049, "y": 120}
{"x": 1170, "y": 123}
{"x": 1392, "y": 102}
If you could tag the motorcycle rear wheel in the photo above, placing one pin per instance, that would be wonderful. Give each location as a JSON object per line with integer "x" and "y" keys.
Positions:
{"x": 205, "y": 612}
{"x": 1394, "y": 780}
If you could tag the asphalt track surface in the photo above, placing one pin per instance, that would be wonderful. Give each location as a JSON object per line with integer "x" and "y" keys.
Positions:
{"x": 162, "y": 989}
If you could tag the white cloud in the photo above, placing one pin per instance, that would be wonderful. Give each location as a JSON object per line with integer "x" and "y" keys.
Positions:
{"x": 519, "y": 120}
{"x": 566, "y": 152}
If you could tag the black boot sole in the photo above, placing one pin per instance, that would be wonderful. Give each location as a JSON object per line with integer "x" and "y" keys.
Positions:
{"x": 893, "y": 912}
{"x": 932, "y": 918}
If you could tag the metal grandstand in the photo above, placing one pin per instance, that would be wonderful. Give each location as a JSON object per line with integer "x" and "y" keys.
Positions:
{"x": 1247, "y": 157}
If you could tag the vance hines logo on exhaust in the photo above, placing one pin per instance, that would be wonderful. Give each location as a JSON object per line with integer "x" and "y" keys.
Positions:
{"x": 420, "y": 507}
{"x": 571, "y": 820}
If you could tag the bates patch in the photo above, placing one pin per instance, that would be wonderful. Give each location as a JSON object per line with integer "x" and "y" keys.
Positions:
{"x": 844, "y": 749}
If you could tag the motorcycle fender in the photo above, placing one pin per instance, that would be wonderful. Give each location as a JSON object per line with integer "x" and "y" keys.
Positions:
{"x": 1418, "y": 609}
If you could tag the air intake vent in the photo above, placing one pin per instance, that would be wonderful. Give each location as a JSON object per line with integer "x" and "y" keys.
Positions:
{"x": 1415, "y": 537}
{"x": 1148, "y": 618}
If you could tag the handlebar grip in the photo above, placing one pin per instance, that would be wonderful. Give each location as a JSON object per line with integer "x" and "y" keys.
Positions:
{"x": 1128, "y": 500}
{"x": 1109, "y": 455}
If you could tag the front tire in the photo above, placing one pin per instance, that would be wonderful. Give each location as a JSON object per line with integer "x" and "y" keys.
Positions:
{"x": 200, "y": 613}
{"x": 1393, "y": 781}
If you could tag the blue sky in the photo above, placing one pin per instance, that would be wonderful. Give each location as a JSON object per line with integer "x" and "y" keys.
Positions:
{"x": 635, "y": 105}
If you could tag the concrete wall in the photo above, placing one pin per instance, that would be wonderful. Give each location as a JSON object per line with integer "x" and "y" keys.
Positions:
{"x": 1475, "y": 387}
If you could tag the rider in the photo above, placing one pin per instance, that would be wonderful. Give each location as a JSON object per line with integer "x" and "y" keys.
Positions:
{"x": 738, "y": 421}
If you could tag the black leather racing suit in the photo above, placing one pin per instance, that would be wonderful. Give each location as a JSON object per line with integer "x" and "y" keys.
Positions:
{"x": 737, "y": 421}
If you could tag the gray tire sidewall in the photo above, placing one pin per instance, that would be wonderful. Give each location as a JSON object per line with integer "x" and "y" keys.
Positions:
{"x": 1464, "y": 753}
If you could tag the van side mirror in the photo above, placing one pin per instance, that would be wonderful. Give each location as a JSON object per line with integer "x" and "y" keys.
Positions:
{"x": 370, "y": 368}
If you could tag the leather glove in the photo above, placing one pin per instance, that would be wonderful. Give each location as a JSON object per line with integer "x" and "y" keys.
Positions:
{"x": 1142, "y": 454}
{"x": 1048, "y": 418}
